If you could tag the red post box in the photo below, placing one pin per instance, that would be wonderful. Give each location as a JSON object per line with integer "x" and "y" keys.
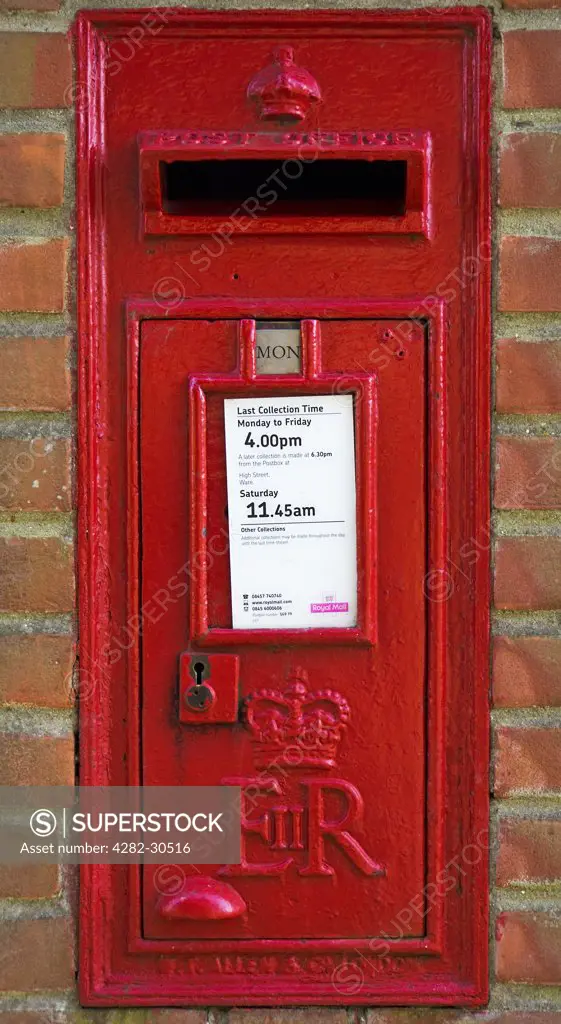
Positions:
{"x": 284, "y": 320}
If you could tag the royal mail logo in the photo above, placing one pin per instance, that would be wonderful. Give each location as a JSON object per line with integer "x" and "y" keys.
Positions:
{"x": 330, "y": 606}
{"x": 313, "y": 719}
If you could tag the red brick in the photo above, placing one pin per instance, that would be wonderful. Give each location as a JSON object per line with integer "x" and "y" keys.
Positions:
{"x": 416, "y": 1015}
{"x": 36, "y": 955}
{"x": 36, "y": 761}
{"x": 528, "y": 376}
{"x": 529, "y": 851}
{"x": 35, "y": 70}
{"x": 529, "y": 948}
{"x": 33, "y": 881}
{"x": 528, "y": 473}
{"x": 529, "y": 170}
{"x": 528, "y": 572}
{"x": 36, "y": 670}
{"x": 36, "y": 575}
{"x": 35, "y": 474}
{"x": 527, "y": 761}
{"x": 31, "y": 170}
{"x": 532, "y": 62}
{"x": 33, "y": 276}
{"x": 532, "y": 1017}
{"x": 321, "y": 1015}
{"x": 530, "y": 275}
{"x": 34, "y": 374}
{"x": 526, "y": 671}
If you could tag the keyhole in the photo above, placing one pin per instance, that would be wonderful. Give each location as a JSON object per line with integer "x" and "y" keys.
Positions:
{"x": 199, "y": 671}
{"x": 200, "y": 695}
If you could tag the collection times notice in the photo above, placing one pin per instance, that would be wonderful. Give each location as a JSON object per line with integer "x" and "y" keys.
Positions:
{"x": 292, "y": 511}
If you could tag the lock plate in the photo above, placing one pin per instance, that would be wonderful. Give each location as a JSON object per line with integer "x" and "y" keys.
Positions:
{"x": 208, "y": 688}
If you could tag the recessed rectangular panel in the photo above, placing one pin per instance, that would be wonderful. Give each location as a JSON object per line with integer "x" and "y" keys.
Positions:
{"x": 208, "y": 398}
{"x": 285, "y": 181}
{"x": 292, "y": 511}
{"x": 315, "y": 724}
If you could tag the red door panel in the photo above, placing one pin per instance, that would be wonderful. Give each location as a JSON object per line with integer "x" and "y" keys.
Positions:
{"x": 318, "y": 840}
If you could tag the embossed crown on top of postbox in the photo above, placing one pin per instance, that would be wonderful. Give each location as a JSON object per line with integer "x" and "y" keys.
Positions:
{"x": 297, "y": 727}
{"x": 283, "y": 91}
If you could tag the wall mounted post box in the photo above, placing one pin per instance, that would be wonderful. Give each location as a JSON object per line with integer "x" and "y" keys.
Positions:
{"x": 284, "y": 319}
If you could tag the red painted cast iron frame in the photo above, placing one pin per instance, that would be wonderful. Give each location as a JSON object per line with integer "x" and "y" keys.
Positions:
{"x": 403, "y": 951}
{"x": 117, "y": 965}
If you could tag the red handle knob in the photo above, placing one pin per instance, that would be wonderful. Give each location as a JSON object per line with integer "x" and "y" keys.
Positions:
{"x": 202, "y": 898}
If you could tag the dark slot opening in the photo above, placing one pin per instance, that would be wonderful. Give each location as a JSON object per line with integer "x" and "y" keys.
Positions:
{"x": 289, "y": 188}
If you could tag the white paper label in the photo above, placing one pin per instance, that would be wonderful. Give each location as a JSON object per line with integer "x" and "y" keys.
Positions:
{"x": 292, "y": 511}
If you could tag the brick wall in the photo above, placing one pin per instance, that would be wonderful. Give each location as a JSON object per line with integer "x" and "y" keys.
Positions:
{"x": 37, "y": 951}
